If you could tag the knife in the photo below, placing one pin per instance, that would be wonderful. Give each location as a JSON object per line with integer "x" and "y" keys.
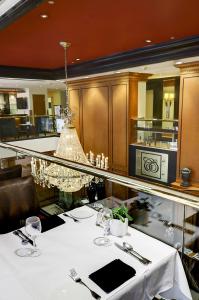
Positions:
{"x": 25, "y": 236}
{"x": 143, "y": 261}
{"x": 23, "y": 240}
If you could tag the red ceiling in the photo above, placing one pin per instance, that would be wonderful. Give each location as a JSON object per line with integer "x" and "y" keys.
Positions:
{"x": 95, "y": 28}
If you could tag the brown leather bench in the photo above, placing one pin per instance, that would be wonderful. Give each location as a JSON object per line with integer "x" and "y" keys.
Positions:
{"x": 11, "y": 172}
{"x": 17, "y": 202}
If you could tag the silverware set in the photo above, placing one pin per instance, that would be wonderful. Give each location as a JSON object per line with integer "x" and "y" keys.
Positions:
{"x": 24, "y": 238}
{"x": 129, "y": 249}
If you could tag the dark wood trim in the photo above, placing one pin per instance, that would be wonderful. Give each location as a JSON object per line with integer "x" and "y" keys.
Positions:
{"x": 18, "y": 10}
{"x": 27, "y": 73}
{"x": 172, "y": 50}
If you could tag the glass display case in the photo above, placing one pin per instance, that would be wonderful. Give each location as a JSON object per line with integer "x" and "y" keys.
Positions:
{"x": 159, "y": 133}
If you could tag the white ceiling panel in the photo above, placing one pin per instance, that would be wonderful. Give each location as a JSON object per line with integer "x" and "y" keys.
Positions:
{"x": 5, "y": 5}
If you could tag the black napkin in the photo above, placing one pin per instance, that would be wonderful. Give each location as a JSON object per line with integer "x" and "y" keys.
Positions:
{"x": 112, "y": 275}
{"x": 49, "y": 221}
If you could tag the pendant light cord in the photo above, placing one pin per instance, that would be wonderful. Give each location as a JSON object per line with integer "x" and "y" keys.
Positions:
{"x": 67, "y": 111}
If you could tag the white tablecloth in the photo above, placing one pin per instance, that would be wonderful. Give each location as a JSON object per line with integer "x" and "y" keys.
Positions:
{"x": 71, "y": 246}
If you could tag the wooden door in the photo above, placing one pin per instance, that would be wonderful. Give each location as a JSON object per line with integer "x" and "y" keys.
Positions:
{"x": 39, "y": 107}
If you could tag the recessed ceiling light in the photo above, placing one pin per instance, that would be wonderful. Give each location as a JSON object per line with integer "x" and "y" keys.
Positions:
{"x": 44, "y": 16}
{"x": 117, "y": 72}
{"x": 86, "y": 77}
{"x": 178, "y": 63}
{"x": 72, "y": 62}
{"x": 77, "y": 59}
{"x": 172, "y": 38}
{"x": 148, "y": 41}
{"x": 51, "y": 2}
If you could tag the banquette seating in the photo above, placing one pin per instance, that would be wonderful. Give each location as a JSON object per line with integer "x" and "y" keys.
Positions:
{"x": 17, "y": 202}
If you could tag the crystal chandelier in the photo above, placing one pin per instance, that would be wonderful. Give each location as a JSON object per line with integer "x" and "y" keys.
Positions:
{"x": 69, "y": 147}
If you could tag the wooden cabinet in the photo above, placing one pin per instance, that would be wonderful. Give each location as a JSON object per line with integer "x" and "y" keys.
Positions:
{"x": 189, "y": 123}
{"x": 103, "y": 107}
{"x": 95, "y": 119}
{"x": 119, "y": 127}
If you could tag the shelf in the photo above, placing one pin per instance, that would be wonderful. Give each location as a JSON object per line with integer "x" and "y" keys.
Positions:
{"x": 155, "y": 120}
{"x": 157, "y": 130}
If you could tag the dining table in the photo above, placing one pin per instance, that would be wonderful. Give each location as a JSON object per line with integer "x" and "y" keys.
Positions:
{"x": 71, "y": 245}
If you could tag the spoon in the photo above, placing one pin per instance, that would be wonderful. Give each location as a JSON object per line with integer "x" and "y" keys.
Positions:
{"x": 129, "y": 248}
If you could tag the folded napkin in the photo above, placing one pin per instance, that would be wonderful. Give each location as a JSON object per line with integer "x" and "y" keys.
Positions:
{"x": 49, "y": 221}
{"x": 112, "y": 275}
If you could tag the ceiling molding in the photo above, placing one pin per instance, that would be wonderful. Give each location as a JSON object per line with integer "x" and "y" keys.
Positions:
{"x": 189, "y": 68}
{"x": 143, "y": 56}
{"x": 18, "y": 10}
{"x": 174, "y": 50}
{"x": 27, "y": 73}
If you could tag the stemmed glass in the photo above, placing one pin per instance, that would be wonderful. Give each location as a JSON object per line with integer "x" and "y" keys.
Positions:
{"x": 103, "y": 219}
{"x": 33, "y": 229}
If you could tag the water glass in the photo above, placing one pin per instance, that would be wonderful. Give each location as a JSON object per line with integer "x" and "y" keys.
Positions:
{"x": 103, "y": 219}
{"x": 33, "y": 229}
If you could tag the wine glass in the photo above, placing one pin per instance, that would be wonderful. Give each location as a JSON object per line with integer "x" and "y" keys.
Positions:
{"x": 24, "y": 252}
{"x": 33, "y": 229}
{"x": 104, "y": 217}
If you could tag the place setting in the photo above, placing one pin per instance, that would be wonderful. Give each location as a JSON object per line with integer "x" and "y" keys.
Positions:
{"x": 79, "y": 214}
{"x": 32, "y": 231}
{"x": 101, "y": 277}
{"x": 34, "y": 226}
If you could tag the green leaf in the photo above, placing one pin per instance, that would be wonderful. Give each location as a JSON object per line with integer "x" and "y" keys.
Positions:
{"x": 121, "y": 213}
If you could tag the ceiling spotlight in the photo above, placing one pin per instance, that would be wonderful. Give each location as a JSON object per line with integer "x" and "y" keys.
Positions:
{"x": 178, "y": 62}
{"x": 44, "y": 16}
{"x": 172, "y": 38}
{"x": 51, "y": 2}
{"x": 77, "y": 59}
{"x": 117, "y": 72}
{"x": 148, "y": 41}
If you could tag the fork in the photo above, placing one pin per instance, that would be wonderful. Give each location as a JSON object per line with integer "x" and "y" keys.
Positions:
{"x": 69, "y": 216}
{"x": 73, "y": 274}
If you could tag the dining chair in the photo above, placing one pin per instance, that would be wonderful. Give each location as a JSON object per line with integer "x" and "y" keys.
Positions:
{"x": 11, "y": 172}
{"x": 17, "y": 202}
{"x": 8, "y": 128}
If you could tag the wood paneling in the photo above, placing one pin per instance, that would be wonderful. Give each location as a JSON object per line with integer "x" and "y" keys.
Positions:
{"x": 119, "y": 127}
{"x": 105, "y": 105}
{"x": 74, "y": 96}
{"x": 189, "y": 126}
{"x": 95, "y": 119}
{"x": 39, "y": 107}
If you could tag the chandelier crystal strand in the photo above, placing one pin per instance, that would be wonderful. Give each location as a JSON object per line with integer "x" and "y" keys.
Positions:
{"x": 69, "y": 147}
